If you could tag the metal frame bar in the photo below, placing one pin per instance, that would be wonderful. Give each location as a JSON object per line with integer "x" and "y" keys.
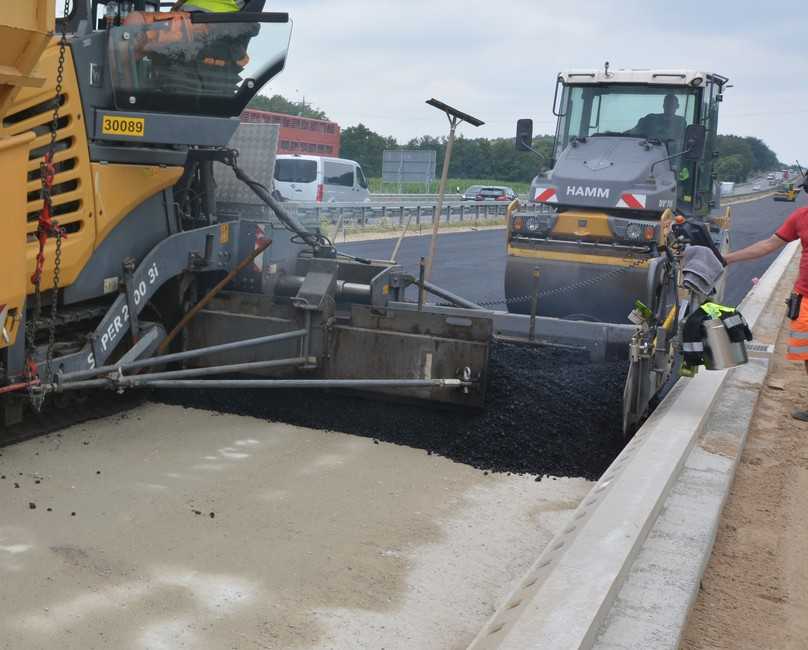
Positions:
{"x": 448, "y": 295}
{"x": 310, "y": 383}
{"x": 211, "y": 370}
{"x": 179, "y": 356}
{"x": 271, "y": 383}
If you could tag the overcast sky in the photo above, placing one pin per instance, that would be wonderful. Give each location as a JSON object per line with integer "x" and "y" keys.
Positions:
{"x": 377, "y": 61}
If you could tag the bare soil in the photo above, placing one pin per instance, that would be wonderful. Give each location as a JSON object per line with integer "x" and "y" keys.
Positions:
{"x": 754, "y": 593}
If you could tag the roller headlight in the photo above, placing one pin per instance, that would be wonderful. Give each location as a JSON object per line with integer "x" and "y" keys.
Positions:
{"x": 535, "y": 224}
{"x": 634, "y": 232}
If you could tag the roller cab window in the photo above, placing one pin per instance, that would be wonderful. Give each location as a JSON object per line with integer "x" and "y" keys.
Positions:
{"x": 634, "y": 110}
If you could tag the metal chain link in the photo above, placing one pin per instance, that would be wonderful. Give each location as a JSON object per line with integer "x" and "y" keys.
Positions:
{"x": 54, "y": 315}
{"x": 33, "y": 323}
{"x": 57, "y": 260}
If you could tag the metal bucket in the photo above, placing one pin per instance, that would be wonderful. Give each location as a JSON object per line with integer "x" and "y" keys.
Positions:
{"x": 720, "y": 352}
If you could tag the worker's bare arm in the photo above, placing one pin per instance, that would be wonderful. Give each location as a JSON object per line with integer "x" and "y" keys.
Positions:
{"x": 758, "y": 249}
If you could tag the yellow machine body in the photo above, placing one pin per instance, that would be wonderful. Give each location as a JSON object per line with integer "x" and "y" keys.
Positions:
{"x": 13, "y": 266}
{"x": 583, "y": 224}
{"x": 574, "y": 257}
{"x": 582, "y": 265}
{"x": 787, "y": 192}
{"x": 25, "y": 29}
{"x": 89, "y": 199}
{"x": 578, "y": 249}
{"x": 24, "y": 34}
{"x": 580, "y": 227}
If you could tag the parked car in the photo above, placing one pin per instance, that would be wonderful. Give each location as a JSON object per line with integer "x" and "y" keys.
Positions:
{"x": 318, "y": 179}
{"x": 495, "y": 193}
{"x": 756, "y": 187}
{"x": 471, "y": 193}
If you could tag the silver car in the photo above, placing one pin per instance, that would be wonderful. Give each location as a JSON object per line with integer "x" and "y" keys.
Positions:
{"x": 496, "y": 193}
{"x": 471, "y": 193}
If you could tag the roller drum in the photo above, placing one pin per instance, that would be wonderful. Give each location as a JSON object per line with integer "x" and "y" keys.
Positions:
{"x": 609, "y": 300}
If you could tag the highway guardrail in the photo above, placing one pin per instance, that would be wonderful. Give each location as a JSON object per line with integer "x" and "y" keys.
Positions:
{"x": 382, "y": 216}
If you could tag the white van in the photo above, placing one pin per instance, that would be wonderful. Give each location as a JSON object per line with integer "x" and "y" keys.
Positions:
{"x": 318, "y": 179}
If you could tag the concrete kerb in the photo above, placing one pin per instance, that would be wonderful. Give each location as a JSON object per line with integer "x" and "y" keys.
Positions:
{"x": 566, "y": 597}
{"x": 653, "y": 604}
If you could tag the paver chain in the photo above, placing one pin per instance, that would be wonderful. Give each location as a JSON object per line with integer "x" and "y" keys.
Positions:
{"x": 47, "y": 174}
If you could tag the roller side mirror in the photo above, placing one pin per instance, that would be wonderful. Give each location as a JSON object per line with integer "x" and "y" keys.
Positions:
{"x": 695, "y": 135}
{"x": 524, "y": 135}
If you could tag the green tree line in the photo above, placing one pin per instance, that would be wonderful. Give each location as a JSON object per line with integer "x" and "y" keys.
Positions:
{"x": 496, "y": 158}
{"x": 279, "y": 104}
{"x": 739, "y": 157}
{"x": 471, "y": 157}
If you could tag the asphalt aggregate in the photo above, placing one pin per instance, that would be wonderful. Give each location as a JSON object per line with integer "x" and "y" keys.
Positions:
{"x": 548, "y": 412}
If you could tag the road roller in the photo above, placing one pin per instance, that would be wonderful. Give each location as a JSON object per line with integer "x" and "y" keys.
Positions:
{"x": 629, "y": 146}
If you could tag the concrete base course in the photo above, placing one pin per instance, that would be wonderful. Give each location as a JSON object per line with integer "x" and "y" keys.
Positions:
{"x": 166, "y": 528}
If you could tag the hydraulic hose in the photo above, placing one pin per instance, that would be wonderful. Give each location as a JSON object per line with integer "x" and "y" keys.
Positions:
{"x": 313, "y": 240}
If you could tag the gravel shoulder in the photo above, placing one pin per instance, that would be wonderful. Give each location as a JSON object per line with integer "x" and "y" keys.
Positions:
{"x": 755, "y": 590}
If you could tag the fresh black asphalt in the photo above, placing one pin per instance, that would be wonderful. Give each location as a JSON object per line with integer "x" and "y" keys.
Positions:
{"x": 547, "y": 411}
